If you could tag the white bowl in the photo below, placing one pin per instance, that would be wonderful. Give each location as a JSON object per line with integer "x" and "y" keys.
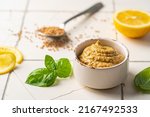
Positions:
{"x": 101, "y": 78}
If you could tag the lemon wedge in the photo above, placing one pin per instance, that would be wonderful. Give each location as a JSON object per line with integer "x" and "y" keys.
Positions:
{"x": 15, "y": 51}
{"x": 7, "y": 62}
{"x": 132, "y": 23}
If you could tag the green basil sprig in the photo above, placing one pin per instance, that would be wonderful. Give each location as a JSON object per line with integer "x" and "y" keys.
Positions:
{"x": 64, "y": 68}
{"x": 45, "y": 77}
{"x": 50, "y": 63}
{"x": 142, "y": 80}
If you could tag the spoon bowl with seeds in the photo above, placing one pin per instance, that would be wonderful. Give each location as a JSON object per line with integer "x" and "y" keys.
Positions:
{"x": 59, "y": 31}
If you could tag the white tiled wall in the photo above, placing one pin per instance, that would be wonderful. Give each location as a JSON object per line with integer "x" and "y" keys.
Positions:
{"x": 139, "y": 48}
{"x": 12, "y": 5}
{"x": 67, "y": 5}
{"x": 28, "y": 15}
{"x": 10, "y": 24}
{"x": 132, "y": 4}
{"x": 3, "y": 82}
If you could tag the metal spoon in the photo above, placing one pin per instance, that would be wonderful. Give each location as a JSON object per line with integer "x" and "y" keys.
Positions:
{"x": 96, "y": 7}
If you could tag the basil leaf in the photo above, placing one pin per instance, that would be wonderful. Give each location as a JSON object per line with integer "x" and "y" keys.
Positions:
{"x": 142, "y": 80}
{"x": 64, "y": 68}
{"x": 50, "y": 63}
{"x": 41, "y": 77}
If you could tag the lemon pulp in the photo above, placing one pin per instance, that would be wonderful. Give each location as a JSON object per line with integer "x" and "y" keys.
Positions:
{"x": 134, "y": 18}
{"x": 7, "y": 62}
{"x": 15, "y": 51}
{"x": 132, "y": 23}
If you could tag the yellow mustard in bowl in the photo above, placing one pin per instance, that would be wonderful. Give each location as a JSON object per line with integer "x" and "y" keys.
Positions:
{"x": 98, "y": 55}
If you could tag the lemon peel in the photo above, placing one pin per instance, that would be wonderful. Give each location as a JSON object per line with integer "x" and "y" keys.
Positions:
{"x": 15, "y": 51}
{"x": 132, "y": 23}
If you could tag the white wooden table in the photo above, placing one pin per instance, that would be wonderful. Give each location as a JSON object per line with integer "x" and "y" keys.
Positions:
{"x": 26, "y": 15}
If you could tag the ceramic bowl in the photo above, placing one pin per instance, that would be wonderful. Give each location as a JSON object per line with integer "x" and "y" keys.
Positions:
{"x": 101, "y": 78}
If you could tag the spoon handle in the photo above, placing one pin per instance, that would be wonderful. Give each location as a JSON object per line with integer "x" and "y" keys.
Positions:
{"x": 96, "y": 7}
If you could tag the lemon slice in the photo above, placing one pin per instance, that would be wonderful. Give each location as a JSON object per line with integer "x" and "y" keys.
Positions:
{"x": 132, "y": 23}
{"x": 15, "y": 51}
{"x": 7, "y": 62}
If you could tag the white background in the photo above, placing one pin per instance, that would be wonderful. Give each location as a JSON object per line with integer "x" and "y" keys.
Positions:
{"x": 6, "y": 108}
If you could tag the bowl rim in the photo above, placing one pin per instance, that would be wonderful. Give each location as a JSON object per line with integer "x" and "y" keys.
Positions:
{"x": 105, "y": 68}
